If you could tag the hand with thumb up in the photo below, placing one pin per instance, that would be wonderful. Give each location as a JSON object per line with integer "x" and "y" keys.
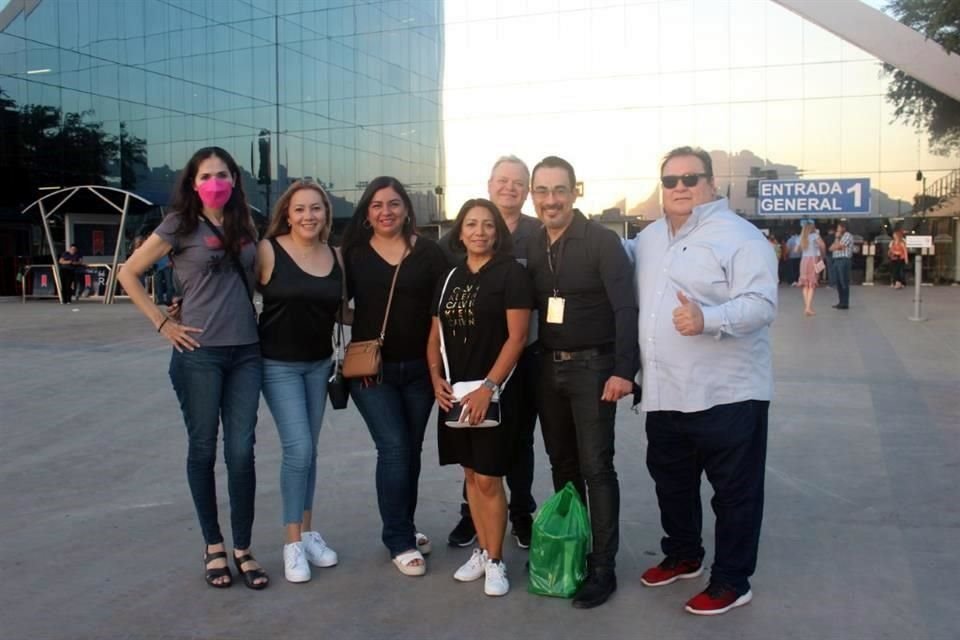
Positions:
{"x": 687, "y": 318}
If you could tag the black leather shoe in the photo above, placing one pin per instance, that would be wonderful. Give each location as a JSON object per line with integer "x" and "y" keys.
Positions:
{"x": 596, "y": 589}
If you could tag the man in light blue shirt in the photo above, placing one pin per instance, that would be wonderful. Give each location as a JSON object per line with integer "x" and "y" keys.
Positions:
{"x": 707, "y": 293}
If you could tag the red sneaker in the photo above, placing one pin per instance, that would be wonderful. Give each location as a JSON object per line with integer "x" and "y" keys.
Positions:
{"x": 717, "y": 599}
{"x": 671, "y": 570}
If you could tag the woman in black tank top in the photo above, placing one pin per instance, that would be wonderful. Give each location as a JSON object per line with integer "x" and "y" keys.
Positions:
{"x": 300, "y": 278}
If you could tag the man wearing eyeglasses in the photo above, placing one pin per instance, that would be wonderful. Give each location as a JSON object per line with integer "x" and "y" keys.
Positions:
{"x": 588, "y": 333}
{"x": 507, "y": 187}
{"x": 707, "y": 291}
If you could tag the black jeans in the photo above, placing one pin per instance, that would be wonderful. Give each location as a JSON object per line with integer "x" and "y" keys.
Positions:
{"x": 520, "y": 477}
{"x": 729, "y": 443}
{"x": 578, "y": 430}
{"x": 896, "y": 271}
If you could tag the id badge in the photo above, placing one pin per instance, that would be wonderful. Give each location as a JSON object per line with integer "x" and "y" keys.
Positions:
{"x": 555, "y": 310}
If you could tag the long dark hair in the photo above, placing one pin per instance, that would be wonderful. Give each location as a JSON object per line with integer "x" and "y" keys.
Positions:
{"x": 503, "y": 245}
{"x": 237, "y": 223}
{"x": 358, "y": 232}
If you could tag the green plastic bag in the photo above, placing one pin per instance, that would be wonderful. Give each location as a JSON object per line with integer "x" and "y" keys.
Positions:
{"x": 559, "y": 546}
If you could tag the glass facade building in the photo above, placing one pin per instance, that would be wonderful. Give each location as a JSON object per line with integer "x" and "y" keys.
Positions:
{"x": 122, "y": 92}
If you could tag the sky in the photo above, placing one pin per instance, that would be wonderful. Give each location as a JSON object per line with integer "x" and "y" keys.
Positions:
{"x": 601, "y": 83}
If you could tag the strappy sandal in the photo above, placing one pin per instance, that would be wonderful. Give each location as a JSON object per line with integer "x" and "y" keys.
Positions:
{"x": 251, "y": 576}
{"x": 423, "y": 543}
{"x": 212, "y": 574}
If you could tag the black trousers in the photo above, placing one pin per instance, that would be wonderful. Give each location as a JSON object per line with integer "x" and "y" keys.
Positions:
{"x": 729, "y": 443}
{"x": 578, "y": 430}
{"x": 520, "y": 477}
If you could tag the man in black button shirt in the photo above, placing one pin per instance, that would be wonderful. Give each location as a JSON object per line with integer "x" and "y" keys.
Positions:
{"x": 588, "y": 333}
{"x": 508, "y": 187}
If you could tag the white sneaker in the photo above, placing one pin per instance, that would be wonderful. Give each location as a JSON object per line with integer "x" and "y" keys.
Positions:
{"x": 496, "y": 583}
{"x": 295, "y": 567}
{"x": 317, "y": 551}
{"x": 472, "y": 569}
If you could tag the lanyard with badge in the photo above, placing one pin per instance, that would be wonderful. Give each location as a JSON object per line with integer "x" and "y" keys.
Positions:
{"x": 555, "y": 303}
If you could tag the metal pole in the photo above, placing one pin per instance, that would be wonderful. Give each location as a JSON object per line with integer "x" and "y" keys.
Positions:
{"x": 53, "y": 253}
{"x": 112, "y": 276}
{"x": 917, "y": 277}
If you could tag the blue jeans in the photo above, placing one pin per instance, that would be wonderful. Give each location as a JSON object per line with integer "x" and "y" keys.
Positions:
{"x": 396, "y": 411}
{"x": 296, "y": 393}
{"x": 841, "y": 277}
{"x": 214, "y": 384}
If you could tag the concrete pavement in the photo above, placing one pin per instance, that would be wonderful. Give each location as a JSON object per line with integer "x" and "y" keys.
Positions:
{"x": 100, "y": 539}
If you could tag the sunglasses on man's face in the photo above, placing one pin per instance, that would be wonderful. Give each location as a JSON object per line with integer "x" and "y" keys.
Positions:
{"x": 689, "y": 180}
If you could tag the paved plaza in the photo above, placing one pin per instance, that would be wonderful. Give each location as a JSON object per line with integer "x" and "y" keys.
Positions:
{"x": 100, "y": 539}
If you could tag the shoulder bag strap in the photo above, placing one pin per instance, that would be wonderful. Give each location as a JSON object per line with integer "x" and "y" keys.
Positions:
{"x": 443, "y": 346}
{"x": 338, "y": 333}
{"x": 236, "y": 259}
{"x": 393, "y": 285}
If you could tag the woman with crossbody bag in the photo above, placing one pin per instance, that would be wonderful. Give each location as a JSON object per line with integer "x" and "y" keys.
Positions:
{"x": 215, "y": 366}
{"x": 299, "y": 276}
{"x": 391, "y": 275}
{"x": 482, "y": 311}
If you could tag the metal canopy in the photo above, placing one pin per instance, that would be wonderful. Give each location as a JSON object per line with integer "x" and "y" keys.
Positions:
{"x": 69, "y": 192}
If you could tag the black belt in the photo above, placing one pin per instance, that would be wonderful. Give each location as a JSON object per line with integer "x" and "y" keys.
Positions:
{"x": 581, "y": 354}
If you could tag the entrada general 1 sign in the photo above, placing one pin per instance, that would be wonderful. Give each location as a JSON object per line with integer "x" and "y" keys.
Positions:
{"x": 813, "y": 197}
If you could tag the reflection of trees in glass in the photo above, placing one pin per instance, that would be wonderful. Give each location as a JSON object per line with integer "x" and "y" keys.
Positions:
{"x": 914, "y": 102}
{"x": 133, "y": 156}
{"x": 43, "y": 146}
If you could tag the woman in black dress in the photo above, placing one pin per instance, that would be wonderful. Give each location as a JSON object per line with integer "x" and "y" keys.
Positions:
{"x": 483, "y": 309}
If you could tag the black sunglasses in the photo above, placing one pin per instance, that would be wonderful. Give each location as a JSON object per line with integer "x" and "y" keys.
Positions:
{"x": 689, "y": 180}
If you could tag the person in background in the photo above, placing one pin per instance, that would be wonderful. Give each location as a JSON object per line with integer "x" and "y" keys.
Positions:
{"x": 71, "y": 274}
{"x": 299, "y": 276}
{"x": 380, "y": 239}
{"x": 508, "y": 187}
{"x": 775, "y": 245}
{"x": 842, "y": 251}
{"x": 898, "y": 254}
{"x": 794, "y": 254}
{"x": 483, "y": 309}
{"x": 813, "y": 249}
{"x": 215, "y": 365}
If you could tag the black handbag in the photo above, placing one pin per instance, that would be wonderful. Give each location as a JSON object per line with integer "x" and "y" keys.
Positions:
{"x": 337, "y": 388}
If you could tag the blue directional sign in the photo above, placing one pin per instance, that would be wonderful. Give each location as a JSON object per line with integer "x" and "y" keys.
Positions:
{"x": 814, "y": 197}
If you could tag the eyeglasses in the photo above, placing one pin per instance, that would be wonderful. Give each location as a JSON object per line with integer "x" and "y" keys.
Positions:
{"x": 689, "y": 180}
{"x": 561, "y": 191}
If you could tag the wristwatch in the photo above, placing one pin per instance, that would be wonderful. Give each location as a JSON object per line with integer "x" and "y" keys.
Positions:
{"x": 490, "y": 384}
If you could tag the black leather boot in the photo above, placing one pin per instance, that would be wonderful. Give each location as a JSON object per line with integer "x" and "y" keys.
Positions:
{"x": 600, "y": 584}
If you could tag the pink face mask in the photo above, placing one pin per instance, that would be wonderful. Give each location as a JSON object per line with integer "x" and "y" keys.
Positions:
{"x": 215, "y": 192}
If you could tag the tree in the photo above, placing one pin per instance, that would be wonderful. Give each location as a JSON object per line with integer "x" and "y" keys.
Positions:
{"x": 133, "y": 157}
{"x": 914, "y": 102}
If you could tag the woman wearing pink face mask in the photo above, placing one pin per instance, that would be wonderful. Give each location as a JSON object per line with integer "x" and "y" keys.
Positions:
{"x": 215, "y": 365}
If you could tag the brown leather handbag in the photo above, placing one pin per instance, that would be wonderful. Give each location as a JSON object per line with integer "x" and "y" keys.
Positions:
{"x": 362, "y": 358}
